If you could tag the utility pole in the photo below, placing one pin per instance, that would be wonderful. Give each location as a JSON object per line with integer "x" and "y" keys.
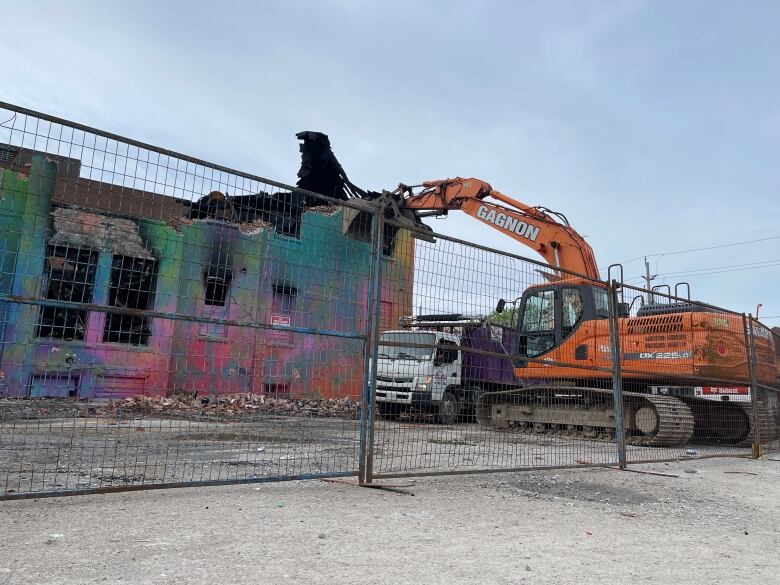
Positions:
{"x": 648, "y": 280}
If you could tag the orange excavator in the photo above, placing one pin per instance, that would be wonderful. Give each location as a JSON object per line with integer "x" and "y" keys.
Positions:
{"x": 676, "y": 357}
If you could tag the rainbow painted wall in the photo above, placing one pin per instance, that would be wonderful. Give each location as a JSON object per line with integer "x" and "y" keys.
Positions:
{"x": 328, "y": 270}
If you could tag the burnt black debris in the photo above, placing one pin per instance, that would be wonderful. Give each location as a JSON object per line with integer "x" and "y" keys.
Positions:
{"x": 282, "y": 210}
{"x": 320, "y": 172}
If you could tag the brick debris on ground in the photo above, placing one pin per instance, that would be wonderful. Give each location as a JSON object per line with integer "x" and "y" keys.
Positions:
{"x": 223, "y": 407}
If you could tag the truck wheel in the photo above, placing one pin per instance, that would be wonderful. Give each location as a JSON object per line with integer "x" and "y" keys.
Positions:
{"x": 388, "y": 410}
{"x": 448, "y": 409}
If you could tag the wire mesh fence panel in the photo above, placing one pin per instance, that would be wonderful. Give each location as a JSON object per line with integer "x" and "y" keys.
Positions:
{"x": 165, "y": 320}
{"x": 169, "y": 321}
{"x": 686, "y": 371}
{"x": 496, "y": 367}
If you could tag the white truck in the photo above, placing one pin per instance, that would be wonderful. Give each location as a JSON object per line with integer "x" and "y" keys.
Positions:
{"x": 440, "y": 364}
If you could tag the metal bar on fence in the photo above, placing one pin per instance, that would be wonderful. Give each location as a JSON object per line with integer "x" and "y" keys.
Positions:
{"x": 172, "y": 485}
{"x": 747, "y": 322}
{"x": 366, "y": 401}
{"x": 482, "y": 471}
{"x": 366, "y": 462}
{"x": 365, "y": 393}
{"x": 77, "y": 306}
{"x": 617, "y": 382}
{"x": 375, "y": 302}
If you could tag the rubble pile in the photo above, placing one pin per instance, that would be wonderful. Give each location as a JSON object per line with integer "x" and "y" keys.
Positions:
{"x": 231, "y": 405}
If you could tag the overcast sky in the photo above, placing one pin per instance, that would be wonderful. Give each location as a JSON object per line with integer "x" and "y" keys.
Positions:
{"x": 654, "y": 126}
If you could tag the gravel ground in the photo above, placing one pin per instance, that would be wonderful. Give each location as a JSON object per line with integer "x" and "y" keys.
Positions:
{"x": 714, "y": 522}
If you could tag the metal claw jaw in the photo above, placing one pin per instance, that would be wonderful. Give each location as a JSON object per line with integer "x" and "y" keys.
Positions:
{"x": 392, "y": 203}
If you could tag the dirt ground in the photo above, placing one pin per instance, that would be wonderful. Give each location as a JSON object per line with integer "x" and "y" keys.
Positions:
{"x": 713, "y": 521}
{"x": 65, "y": 454}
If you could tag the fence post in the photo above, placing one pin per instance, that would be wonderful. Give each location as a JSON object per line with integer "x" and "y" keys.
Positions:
{"x": 747, "y": 322}
{"x": 368, "y": 402}
{"x": 617, "y": 380}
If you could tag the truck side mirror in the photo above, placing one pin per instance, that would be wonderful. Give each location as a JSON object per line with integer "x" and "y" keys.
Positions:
{"x": 500, "y": 306}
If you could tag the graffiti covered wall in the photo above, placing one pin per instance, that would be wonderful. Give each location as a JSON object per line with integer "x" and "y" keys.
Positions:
{"x": 222, "y": 283}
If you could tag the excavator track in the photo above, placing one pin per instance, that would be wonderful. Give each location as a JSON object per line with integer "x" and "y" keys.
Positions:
{"x": 672, "y": 423}
{"x": 730, "y": 423}
{"x": 587, "y": 413}
{"x": 766, "y": 425}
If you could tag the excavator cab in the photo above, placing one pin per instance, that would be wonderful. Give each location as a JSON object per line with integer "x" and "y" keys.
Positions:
{"x": 548, "y": 314}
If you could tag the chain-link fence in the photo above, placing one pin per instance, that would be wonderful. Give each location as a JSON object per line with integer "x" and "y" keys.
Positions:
{"x": 166, "y": 321}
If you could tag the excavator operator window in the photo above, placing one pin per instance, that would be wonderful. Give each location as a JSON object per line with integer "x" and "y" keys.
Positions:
{"x": 538, "y": 325}
{"x": 571, "y": 309}
{"x": 601, "y": 300}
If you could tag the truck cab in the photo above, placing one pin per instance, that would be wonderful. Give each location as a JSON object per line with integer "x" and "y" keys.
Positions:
{"x": 441, "y": 364}
{"x": 420, "y": 371}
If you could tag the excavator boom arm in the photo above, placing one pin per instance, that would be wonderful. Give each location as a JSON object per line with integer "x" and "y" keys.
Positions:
{"x": 557, "y": 242}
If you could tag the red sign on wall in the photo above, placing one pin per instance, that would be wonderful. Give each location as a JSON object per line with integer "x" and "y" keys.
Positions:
{"x": 280, "y": 320}
{"x": 277, "y": 337}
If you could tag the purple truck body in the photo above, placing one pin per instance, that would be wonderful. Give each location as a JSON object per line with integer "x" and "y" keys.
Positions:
{"x": 487, "y": 369}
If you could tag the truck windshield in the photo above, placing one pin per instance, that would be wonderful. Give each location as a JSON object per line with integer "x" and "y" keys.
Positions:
{"x": 405, "y": 351}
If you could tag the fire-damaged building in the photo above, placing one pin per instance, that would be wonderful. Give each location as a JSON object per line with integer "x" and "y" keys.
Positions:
{"x": 194, "y": 284}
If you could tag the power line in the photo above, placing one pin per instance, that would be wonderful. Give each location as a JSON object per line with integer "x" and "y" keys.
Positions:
{"x": 695, "y": 274}
{"x": 761, "y": 264}
{"x": 713, "y": 270}
{"x": 674, "y": 252}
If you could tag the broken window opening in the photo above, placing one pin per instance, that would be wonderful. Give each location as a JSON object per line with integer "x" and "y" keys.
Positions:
{"x": 132, "y": 285}
{"x": 70, "y": 275}
{"x": 388, "y": 239}
{"x": 217, "y": 280}
{"x": 284, "y": 299}
{"x": 8, "y": 154}
{"x": 361, "y": 229}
